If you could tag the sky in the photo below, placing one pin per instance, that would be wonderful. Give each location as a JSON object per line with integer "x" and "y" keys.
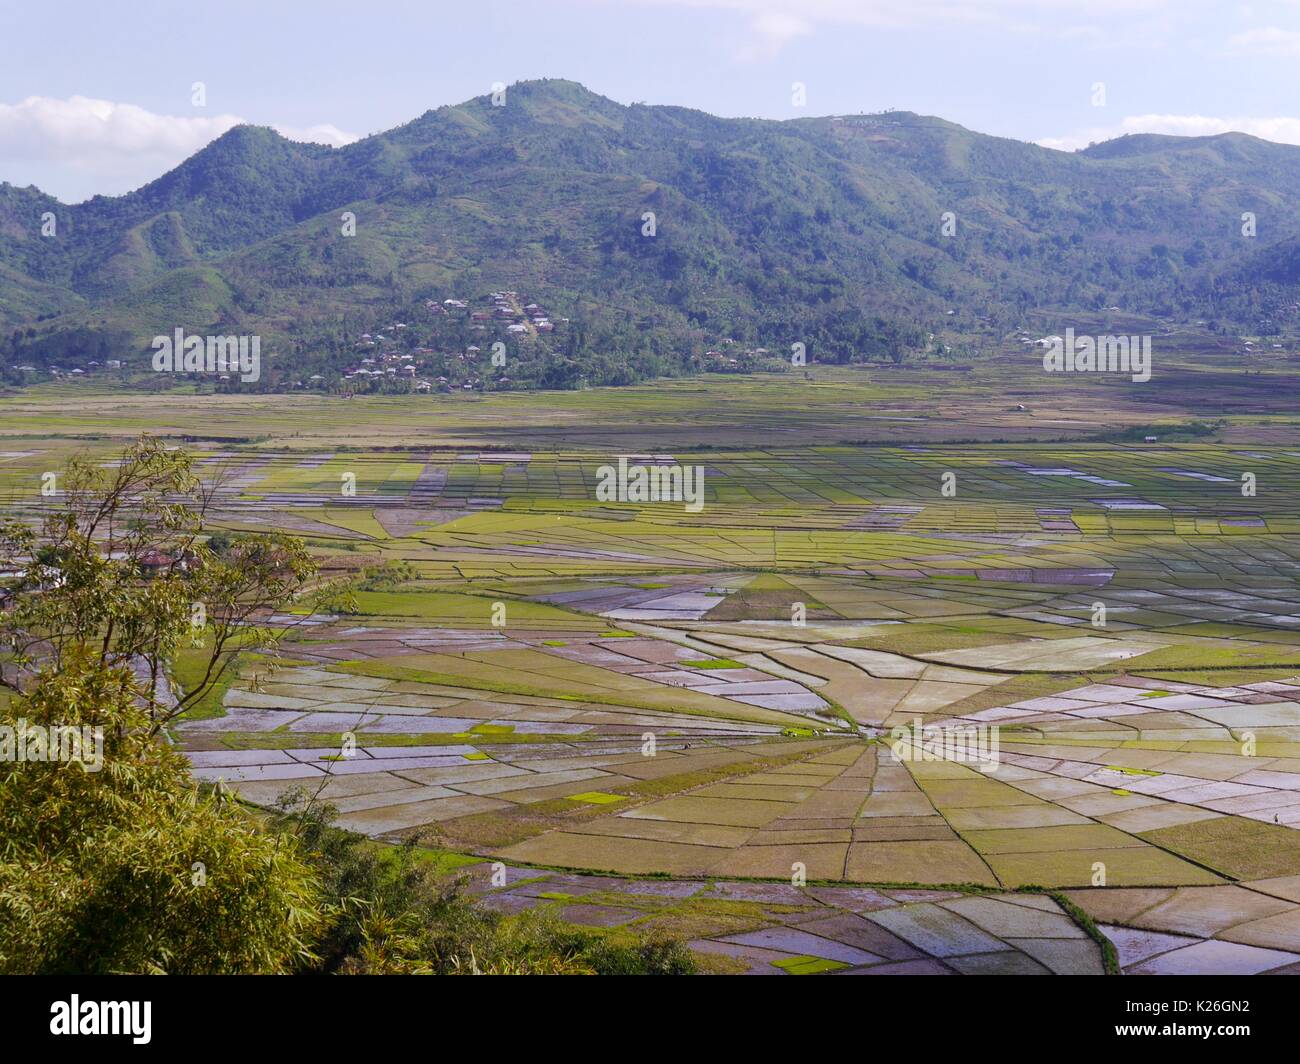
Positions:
{"x": 102, "y": 96}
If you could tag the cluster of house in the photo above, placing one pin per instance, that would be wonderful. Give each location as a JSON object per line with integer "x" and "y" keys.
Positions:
{"x": 154, "y": 562}
{"x": 734, "y": 356}
{"x": 151, "y": 563}
{"x": 389, "y": 363}
{"x": 414, "y": 365}
{"x": 384, "y": 359}
{"x": 92, "y": 366}
{"x": 506, "y": 309}
{"x": 1249, "y": 347}
{"x": 717, "y": 359}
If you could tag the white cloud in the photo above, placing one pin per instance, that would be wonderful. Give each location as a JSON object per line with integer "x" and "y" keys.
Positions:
{"x": 79, "y": 129}
{"x": 770, "y": 32}
{"x": 1267, "y": 41}
{"x": 74, "y": 146}
{"x": 1282, "y": 130}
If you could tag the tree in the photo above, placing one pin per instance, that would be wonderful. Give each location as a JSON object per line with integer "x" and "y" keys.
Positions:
{"x": 118, "y": 575}
{"x": 128, "y": 867}
{"x": 111, "y": 858}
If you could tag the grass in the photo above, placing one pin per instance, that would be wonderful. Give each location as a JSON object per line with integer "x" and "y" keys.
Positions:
{"x": 188, "y": 669}
{"x": 284, "y": 740}
{"x": 597, "y": 798}
{"x": 1223, "y": 677}
{"x": 440, "y": 860}
{"x": 922, "y": 638}
{"x": 473, "y": 611}
{"x": 1233, "y": 846}
{"x": 856, "y": 533}
{"x": 677, "y": 702}
{"x": 499, "y": 828}
{"x": 803, "y": 965}
{"x": 1199, "y": 656}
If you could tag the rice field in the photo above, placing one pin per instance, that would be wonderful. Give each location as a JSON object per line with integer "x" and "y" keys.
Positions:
{"x": 725, "y": 722}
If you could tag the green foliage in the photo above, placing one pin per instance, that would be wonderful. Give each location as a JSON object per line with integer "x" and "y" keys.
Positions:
{"x": 219, "y": 543}
{"x": 117, "y": 571}
{"x": 1170, "y": 432}
{"x": 112, "y": 859}
{"x": 821, "y": 231}
{"x": 129, "y": 868}
{"x": 115, "y": 862}
{"x": 391, "y": 576}
{"x": 392, "y": 911}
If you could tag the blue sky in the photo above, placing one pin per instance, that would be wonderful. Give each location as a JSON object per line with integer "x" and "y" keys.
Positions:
{"x": 96, "y": 95}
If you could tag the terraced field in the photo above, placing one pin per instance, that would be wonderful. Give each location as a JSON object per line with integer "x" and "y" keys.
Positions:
{"x": 911, "y": 706}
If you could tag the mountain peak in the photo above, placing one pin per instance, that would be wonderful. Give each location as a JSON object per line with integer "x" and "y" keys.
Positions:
{"x": 549, "y": 100}
{"x": 1232, "y": 143}
{"x": 825, "y": 226}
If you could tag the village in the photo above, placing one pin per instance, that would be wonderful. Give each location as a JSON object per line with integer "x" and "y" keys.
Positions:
{"x": 396, "y": 354}
{"x": 494, "y": 342}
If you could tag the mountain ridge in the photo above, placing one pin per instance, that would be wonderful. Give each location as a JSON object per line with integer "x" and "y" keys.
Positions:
{"x": 823, "y": 230}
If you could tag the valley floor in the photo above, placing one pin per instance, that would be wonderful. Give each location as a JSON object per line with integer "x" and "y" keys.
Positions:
{"x": 714, "y": 724}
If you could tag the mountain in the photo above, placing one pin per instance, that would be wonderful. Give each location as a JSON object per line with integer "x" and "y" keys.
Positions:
{"x": 823, "y": 231}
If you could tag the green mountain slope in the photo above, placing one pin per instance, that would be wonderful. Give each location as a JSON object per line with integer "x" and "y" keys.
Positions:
{"x": 823, "y": 231}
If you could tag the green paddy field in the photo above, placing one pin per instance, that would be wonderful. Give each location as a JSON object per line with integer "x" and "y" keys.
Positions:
{"x": 714, "y": 722}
